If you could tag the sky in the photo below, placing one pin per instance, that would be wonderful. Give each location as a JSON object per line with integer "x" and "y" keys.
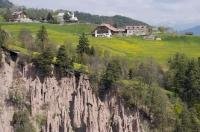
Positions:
{"x": 179, "y": 14}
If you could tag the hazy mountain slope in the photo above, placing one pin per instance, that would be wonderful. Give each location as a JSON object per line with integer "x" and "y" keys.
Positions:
{"x": 195, "y": 30}
{"x": 5, "y": 4}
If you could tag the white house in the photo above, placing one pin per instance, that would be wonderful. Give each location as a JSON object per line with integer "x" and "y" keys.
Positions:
{"x": 60, "y": 17}
{"x": 72, "y": 17}
{"x": 137, "y": 30}
{"x": 20, "y": 16}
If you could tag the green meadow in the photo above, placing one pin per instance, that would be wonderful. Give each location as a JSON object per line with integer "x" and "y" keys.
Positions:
{"x": 132, "y": 48}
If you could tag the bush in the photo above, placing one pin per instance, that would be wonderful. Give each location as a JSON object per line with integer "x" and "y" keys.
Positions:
{"x": 133, "y": 93}
{"x": 151, "y": 100}
{"x": 149, "y": 71}
{"x": 0, "y": 56}
{"x": 3, "y": 37}
{"x": 21, "y": 122}
{"x": 26, "y": 38}
{"x": 18, "y": 94}
{"x": 41, "y": 120}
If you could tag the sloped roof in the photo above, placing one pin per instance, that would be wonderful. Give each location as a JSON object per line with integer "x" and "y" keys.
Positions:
{"x": 61, "y": 14}
{"x": 17, "y": 12}
{"x": 109, "y": 27}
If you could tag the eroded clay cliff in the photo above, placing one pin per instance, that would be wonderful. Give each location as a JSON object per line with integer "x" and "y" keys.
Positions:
{"x": 68, "y": 104}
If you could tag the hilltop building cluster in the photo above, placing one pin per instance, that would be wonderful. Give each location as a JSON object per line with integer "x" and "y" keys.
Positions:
{"x": 107, "y": 30}
{"x": 22, "y": 17}
{"x": 103, "y": 30}
{"x": 71, "y": 17}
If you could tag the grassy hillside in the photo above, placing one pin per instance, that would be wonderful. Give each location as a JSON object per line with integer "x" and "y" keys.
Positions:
{"x": 128, "y": 47}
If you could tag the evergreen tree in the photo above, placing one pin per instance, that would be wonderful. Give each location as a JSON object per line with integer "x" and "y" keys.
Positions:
{"x": 50, "y": 18}
{"x": 178, "y": 66}
{"x": 43, "y": 62}
{"x": 66, "y": 17}
{"x": 111, "y": 74}
{"x": 42, "y": 37}
{"x": 3, "y": 37}
{"x": 64, "y": 63}
{"x": 92, "y": 51}
{"x": 8, "y": 15}
{"x": 130, "y": 74}
{"x": 83, "y": 46}
{"x": 192, "y": 83}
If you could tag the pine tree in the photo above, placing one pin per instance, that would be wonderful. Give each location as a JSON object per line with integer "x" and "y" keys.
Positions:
{"x": 66, "y": 17}
{"x": 178, "y": 65}
{"x": 110, "y": 76}
{"x": 42, "y": 38}
{"x": 8, "y": 15}
{"x": 130, "y": 74}
{"x": 92, "y": 51}
{"x": 83, "y": 46}
{"x": 112, "y": 73}
{"x": 50, "y": 18}
{"x": 192, "y": 83}
{"x": 43, "y": 62}
{"x": 64, "y": 63}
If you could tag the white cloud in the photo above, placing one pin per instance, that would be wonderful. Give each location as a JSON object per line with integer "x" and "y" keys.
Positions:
{"x": 171, "y": 12}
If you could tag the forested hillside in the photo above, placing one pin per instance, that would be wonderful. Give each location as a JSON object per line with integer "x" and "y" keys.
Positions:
{"x": 116, "y": 20}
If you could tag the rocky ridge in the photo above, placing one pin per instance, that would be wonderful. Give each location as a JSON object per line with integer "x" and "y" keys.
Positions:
{"x": 68, "y": 104}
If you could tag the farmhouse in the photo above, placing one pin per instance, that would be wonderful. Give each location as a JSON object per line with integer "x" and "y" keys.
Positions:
{"x": 106, "y": 30}
{"x": 141, "y": 30}
{"x": 60, "y": 17}
{"x": 20, "y": 16}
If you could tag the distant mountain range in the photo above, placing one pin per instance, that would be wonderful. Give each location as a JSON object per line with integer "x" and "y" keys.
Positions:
{"x": 195, "y": 30}
{"x": 5, "y": 4}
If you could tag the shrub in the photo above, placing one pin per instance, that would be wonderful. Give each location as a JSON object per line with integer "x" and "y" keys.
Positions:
{"x": 149, "y": 71}
{"x": 41, "y": 120}
{"x": 26, "y": 38}
{"x": 21, "y": 122}
{"x": 151, "y": 100}
{"x": 3, "y": 37}
{"x": 0, "y": 56}
{"x": 18, "y": 94}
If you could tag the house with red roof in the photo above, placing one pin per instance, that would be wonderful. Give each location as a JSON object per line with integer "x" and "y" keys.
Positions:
{"x": 106, "y": 30}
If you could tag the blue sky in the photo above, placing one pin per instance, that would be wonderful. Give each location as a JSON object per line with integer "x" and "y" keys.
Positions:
{"x": 175, "y": 13}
